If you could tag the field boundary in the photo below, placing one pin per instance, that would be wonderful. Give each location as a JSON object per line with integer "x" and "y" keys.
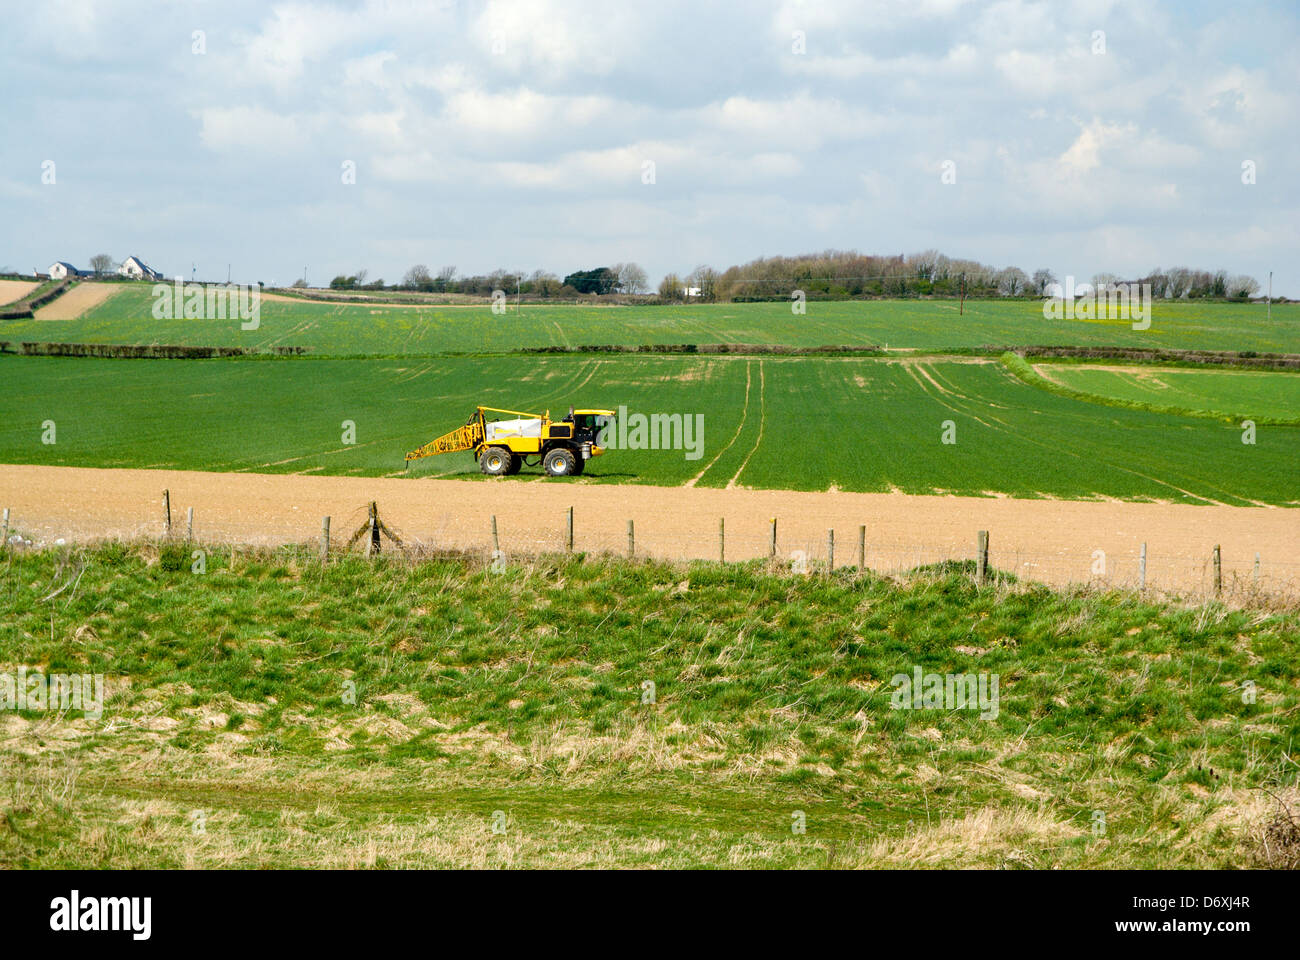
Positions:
{"x": 150, "y": 351}
{"x": 25, "y": 309}
{"x": 1194, "y": 550}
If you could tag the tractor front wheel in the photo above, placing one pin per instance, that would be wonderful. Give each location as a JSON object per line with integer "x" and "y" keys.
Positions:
{"x": 560, "y": 463}
{"x": 495, "y": 462}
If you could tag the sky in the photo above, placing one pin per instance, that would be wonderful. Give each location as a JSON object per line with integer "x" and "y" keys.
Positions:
{"x": 275, "y": 138}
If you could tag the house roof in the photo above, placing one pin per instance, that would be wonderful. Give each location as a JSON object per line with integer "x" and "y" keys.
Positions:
{"x": 64, "y": 263}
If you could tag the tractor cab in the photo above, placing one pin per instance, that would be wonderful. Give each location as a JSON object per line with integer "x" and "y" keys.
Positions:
{"x": 587, "y": 424}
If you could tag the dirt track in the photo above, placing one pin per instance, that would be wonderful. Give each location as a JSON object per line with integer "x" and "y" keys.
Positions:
{"x": 77, "y": 301}
{"x": 1048, "y": 540}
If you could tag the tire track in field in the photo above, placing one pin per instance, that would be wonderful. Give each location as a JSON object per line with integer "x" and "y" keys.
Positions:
{"x": 569, "y": 386}
{"x": 918, "y": 371}
{"x": 560, "y": 330}
{"x": 762, "y": 422}
{"x": 744, "y": 414}
{"x": 1057, "y": 448}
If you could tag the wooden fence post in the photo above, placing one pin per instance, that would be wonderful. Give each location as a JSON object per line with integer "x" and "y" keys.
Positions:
{"x": 4, "y": 540}
{"x": 496, "y": 541}
{"x": 372, "y": 535}
{"x": 772, "y": 545}
{"x": 981, "y": 557}
{"x": 862, "y": 547}
{"x": 722, "y": 539}
{"x": 631, "y": 541}
{"x": 1142, "y": 567}
{"x": 189, "y": 524}
{"x": 830, "y": 550}
{"x": 167, "y": 513}
{"x": 1256, "y": 574}
{"x": 1218, "y": 571}
{"x": 569, "y": 523}
{"x": 324, "y": 539}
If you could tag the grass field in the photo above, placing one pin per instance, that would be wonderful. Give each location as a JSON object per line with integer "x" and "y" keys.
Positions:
{"x": 1232, "y": 394}
{"x": 369, "y": 329}
{"x": 790, "y": 423}
{"x": 270, "y": 714}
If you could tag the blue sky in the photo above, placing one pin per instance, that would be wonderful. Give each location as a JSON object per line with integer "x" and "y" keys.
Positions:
{"x": 515, "y": 134}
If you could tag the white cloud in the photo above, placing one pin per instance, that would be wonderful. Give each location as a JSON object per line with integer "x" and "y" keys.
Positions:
{"x": 757, "y": 150}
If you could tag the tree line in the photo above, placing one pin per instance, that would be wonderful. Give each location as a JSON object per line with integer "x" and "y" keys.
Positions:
{"x": 828, "y": 275}
{"x": 621, "y": 278}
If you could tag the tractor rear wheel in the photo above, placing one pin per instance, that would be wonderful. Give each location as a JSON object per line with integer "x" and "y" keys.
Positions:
{"x": 495, "y": 461}
{"x": 560, "y": 463}
{"x": 516, "y": 461}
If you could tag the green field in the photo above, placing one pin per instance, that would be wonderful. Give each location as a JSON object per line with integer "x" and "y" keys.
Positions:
{"x": 789, "y": 422}
{"x": 370, "y": 329}
{"x": 1231, "y": 394}
{"x": 271, "y": 714}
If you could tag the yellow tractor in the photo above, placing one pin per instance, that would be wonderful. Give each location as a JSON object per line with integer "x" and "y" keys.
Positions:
{"x": 502, "y": 445}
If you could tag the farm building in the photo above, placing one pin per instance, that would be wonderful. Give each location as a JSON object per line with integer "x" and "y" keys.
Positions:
{"x": 61, "y": 270}
{"x": 137, "y": 268}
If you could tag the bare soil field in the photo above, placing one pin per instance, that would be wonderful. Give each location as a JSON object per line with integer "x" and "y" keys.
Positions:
{"x": 1051, "y": 541}
{"x": 77, "y": 301}
{"x": 11, "y": 290}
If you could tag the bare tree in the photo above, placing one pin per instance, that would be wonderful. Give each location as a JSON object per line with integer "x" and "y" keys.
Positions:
{"x": 706, "y": 279}
{"x": 1178, "y": 282}
{"x": 544, "y": 284}
{"x": 1101, "y": 282}
{"x": 631, "y": 278}
{"x": 418, "y": 277}
{"x": 670, "y": 287}
{"x": 1012, "y": 282}
{"x": 1242, "y": 287}
{"x": 1043, "y": 278}
{"x": 101, "y": 263}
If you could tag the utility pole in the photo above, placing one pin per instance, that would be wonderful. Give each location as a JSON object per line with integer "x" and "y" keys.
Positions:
{"x": 1270, "y": 296}
{"x": 227, "y": 274}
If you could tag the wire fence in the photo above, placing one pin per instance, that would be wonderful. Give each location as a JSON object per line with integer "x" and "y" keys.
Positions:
{"x": 883, "y": 548}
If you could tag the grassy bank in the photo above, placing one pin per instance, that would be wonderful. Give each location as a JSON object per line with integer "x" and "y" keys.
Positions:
{"x": 266, "y": 712}
{"x": 1266, "y": 398}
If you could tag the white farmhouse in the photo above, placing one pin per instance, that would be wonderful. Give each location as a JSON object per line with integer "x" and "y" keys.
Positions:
{"x": 137, "y": 268}
{"x": 62, "y": 270}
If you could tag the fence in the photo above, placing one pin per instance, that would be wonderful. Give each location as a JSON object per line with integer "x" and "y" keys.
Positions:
{"x": 1155, "y": 568}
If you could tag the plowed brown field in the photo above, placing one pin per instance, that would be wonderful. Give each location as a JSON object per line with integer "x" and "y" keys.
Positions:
{"x": 1047, "y": 540}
